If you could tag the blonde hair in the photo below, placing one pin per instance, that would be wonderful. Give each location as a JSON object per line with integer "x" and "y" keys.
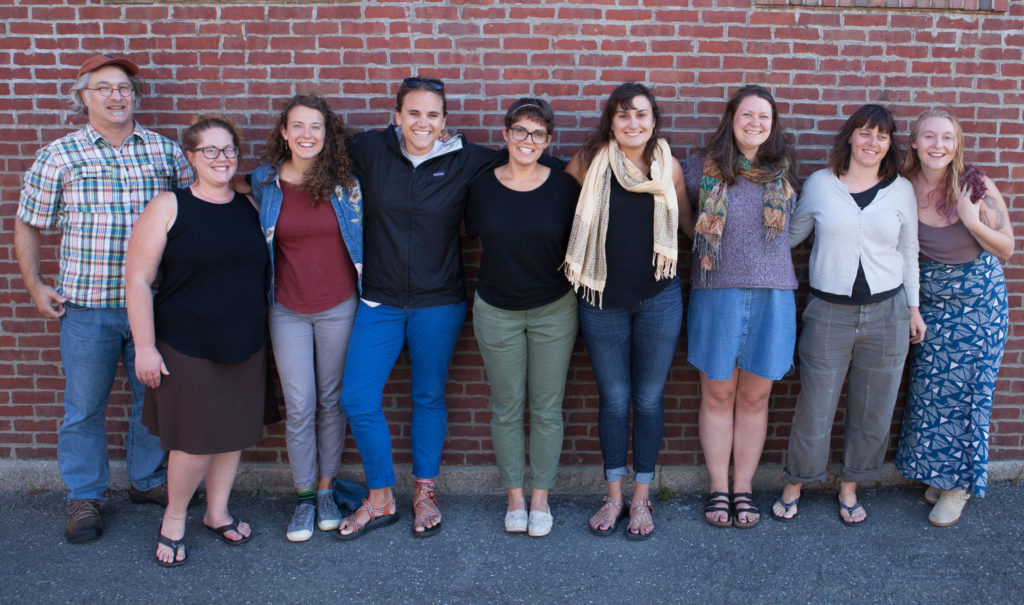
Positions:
{"x": 951, "y": 181}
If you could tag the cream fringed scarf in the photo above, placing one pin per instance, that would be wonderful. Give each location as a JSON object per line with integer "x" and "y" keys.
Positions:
{"x": 585, "y": 261}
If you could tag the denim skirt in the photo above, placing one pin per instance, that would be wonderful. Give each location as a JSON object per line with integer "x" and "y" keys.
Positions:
{"x": 753, "y": 329}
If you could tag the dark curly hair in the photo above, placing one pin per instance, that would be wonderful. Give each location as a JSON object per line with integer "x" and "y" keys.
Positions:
{"x": 332, "y": 166}
{"x": 622, "y": 99}
{"x": 770, "y": 155}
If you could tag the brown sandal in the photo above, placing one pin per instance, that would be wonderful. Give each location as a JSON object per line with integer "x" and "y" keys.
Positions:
{"x": 612, "y": 511}
{"x": 424, "y": 507}
{"x": 379, "y": 517}
{"x": 639, "y": 513}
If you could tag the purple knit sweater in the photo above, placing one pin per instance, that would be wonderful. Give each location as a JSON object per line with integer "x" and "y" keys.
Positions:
{"x": 747, "y": 260}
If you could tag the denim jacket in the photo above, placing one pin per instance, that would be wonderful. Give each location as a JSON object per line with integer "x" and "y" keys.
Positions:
{"x": 348, "y": 207}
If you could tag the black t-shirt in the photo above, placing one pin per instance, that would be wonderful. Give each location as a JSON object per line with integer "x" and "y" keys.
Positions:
{"x": 524, "y": 235}
{"x": 861, "y": 294}
{"x": 629, "y": 249}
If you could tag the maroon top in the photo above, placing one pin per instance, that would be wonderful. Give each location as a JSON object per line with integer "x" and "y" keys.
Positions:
{"x": 312, "y": 269}
{"x": 952, "y": 244}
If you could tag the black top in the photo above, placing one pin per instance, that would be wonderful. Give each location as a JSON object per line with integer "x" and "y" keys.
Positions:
{"x": 629, "y": 249}
{"x": 861, "y": 294}
{"x": 411, "y": 253}
{"x": 524, "y": 235}
{"x": 212, "y": 301}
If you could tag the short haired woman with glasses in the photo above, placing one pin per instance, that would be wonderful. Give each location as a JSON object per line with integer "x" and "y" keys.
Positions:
{"x": 311, "y": 215}
{"x": 524, "y": 311}
{"x": 200, "y": 342}
{"x": 414, "y": 293}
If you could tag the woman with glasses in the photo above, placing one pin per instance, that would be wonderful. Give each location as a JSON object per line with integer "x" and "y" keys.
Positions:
{"x": 621, "y": 260}
{"x": 524, "y": 312}
{"x": 414, "y": 293}
{"x": 200, "y": 342}
{"x": 742, "y": 316}
{"x": 964, "y": 231}
{"x": 311, "y": 215}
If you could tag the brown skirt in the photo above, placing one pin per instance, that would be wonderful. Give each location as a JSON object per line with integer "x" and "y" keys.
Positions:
{"x": 209, "y": 407}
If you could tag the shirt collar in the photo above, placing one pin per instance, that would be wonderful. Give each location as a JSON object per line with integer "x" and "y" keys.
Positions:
{"x": 95, "y": 137}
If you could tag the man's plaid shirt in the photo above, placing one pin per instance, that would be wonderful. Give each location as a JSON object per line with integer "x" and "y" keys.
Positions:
{"x": 94, "y": 192}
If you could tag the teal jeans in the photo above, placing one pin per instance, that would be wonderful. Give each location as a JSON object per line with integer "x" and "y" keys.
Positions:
{"x": 526, "y": 350}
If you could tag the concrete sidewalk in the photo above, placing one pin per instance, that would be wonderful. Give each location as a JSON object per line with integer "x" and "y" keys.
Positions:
{"x": 896, "y": 557}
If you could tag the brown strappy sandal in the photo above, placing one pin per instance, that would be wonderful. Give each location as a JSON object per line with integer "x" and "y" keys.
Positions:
{"x": 379, "y": 517}
{"x": 424, "y": 507}
{"x": 640, "y": 512}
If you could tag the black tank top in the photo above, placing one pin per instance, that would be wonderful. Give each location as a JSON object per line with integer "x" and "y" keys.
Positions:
{"x": 212, "y": 300}
{"x": 629, "y": 249}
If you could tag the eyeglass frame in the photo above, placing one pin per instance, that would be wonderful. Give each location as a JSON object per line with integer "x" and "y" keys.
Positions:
{"x": 219, "y": 150}
{"x": 120, "y": 88}
{"x": 531, "y": 134}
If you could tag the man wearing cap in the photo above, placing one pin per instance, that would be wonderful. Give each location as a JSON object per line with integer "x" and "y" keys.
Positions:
{"x": 93, "y": 184}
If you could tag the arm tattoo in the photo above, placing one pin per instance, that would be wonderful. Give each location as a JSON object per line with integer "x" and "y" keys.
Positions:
{"x": 991, "y": 215}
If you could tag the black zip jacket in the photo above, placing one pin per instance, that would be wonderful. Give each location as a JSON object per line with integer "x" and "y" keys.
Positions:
{"x": 411, "y": 253}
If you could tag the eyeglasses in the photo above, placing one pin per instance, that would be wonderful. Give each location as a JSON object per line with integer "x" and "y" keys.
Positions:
{"x": 431, "y": 83}
{"x": 537, "y": 137}
{"x": 105, "y": 91}
{"x": 210, "y": 152}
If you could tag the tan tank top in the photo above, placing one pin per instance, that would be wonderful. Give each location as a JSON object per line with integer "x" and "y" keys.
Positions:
{"x": 952, "y": 244}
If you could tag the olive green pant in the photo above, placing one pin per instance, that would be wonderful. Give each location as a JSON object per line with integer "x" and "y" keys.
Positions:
{"x": 523, "y": 349}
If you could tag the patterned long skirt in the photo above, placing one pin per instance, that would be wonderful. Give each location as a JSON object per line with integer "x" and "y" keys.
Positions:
{"x": 944, "y": 439}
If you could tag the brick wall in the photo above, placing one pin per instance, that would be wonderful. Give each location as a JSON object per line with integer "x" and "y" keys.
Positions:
{"x": 243, "y": 58}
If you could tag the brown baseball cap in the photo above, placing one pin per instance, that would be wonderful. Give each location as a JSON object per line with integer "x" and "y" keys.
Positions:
{"x": 97, "y": 61}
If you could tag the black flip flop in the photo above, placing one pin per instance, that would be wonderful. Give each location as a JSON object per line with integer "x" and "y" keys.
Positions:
{"x": 233, "y": 526}
{"x": 174, "y": 545}
{"x": 786, "y": 506}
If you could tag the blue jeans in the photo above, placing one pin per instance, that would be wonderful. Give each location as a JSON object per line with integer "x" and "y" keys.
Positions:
{"x": 377, "y": 339}
{"x": 91, "y": 343}
{"x": 631, "y": 351}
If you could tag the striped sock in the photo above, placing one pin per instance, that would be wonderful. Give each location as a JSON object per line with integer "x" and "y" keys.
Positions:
{"x": 307, "y": 496}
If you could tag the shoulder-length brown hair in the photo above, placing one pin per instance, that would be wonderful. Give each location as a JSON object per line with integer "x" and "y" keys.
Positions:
{"x": 622, "y": 99}
{"x": 332, "y": 166}
{"x": 869, "y": 116}
{"x": 771, "y": 155}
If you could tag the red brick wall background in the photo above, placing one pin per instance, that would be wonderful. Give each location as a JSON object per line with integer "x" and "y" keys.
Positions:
{"x": 243, "y": 59}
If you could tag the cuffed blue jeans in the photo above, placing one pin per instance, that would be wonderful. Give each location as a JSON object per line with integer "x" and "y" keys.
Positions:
{"x": 91, "y": 343}
{"x": 377, "y": 338}
{"x": 631, "y": 351}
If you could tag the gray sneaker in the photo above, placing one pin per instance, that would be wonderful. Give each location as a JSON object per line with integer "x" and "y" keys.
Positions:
{"x": 328, "y": 517}
{"x": 300, "y": 528}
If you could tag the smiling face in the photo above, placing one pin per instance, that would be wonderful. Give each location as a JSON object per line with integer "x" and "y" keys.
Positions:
{"x": 868, "y": 146}
{"x": 304, "y": 132}
{"x": 935, "y": 143}
{"x": 751, "y": 125}
{"x": 421, "y": 119}
{"x": 218, "y": 171}
{"x": 632, "y": 128}
{"x": 526, "y": 151}
{"x": 113, "y": 112}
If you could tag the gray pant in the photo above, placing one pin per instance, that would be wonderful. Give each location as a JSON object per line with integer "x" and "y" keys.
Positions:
{"x": 521, "y": 348}
{"x": 310, "y": 353}
{"x": 869, "y": 341}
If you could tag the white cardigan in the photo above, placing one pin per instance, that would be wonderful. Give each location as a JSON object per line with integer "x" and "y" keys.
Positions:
{"x": 882, "y": 237}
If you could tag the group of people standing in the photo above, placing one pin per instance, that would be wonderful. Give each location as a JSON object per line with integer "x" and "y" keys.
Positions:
{"x": 348, "y": 245}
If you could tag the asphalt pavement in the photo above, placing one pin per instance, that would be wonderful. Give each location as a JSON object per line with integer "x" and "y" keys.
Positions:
{"x": 895, "y": 557}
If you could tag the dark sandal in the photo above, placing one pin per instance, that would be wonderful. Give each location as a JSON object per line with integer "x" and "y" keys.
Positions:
{"x": 379, "y": 517}
{"x": 746, "y": 500}
{"x": 426, "y": 502}
{"x": 608, "y": 502}
{"x": 223, "y": 530}
{"x": 718, "y": 502}
{"x": 849, "y": 511}
{"x": 644, "y": 510}
{"x": 786, "y": 505}
{"x": 174, "y": 545}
